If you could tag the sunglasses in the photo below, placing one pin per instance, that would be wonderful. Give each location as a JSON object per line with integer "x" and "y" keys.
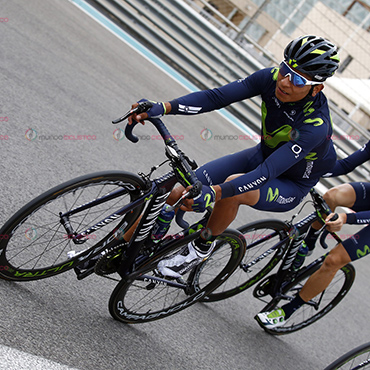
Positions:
{"x": 295, "y": 78}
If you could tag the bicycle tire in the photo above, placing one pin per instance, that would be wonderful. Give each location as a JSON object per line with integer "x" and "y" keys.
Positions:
{"x": 141, "y": 299}
{"x": 37, "y": 243}
{"x": 357, "y": 358}
{"x": 326, "y": 301}
{"x": 260, "y": 237}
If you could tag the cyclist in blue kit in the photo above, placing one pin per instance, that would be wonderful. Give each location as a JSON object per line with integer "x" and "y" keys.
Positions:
{"x": 356, "y": 196}
{"x": 294, "y": 152}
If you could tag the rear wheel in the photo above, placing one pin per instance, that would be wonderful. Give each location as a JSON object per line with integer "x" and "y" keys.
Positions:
{"x": 265, "y": 248}
{"x": 149, "y": 296}
{"x": 36, "y": 243}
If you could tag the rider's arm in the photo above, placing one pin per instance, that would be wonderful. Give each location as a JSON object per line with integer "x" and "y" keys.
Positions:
{"x": 352, "y": 218}
{"x": 358, "y": 218}
{"x": 209, "y": 100}
{"x": 348, "y": 164}
{"x": 277, "y": 163}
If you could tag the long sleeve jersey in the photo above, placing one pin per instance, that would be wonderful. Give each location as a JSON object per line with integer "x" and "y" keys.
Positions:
{"x": 346, "y": 165}
{"x": 295, "y": 137}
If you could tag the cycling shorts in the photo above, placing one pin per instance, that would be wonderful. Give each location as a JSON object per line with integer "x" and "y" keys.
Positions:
{"x": 277, "y": 195}
{"x": 357, "y": 245}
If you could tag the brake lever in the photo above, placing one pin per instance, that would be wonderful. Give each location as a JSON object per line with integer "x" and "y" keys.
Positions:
{"x": 126, "y": 115}
{"x": 140, "y": 108}
{"x": 179, "y": 203}
{"x": 192, "y": 193}
{"x": 326, "y": 232}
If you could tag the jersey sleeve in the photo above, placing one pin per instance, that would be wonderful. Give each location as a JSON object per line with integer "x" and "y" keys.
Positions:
{"x": 209, "y": 100}
{"x": 278, "y": 162}
{"x": 358, "y": 218}
{"x": 348, "y": 164}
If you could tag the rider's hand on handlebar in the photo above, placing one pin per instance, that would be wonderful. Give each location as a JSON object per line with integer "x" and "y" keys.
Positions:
{"x": 158, "y": 110}
{"x": 202, "y": 201}
{"x": 334, "y": 226}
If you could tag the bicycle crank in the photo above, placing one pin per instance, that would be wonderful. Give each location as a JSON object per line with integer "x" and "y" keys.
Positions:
{"x": 264, "y": 287}
{"x": 110, "y": 260}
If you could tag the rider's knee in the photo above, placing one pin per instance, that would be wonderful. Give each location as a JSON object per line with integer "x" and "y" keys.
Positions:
{"x": 335, "y": 260}
{"x": 175, "y": 195}
{"x": 232, "y": 177}
{"x": 341, "y": 195}
{"x": 330, "y": 197}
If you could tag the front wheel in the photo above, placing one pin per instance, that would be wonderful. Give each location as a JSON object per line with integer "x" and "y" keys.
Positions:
{"x": 34, "y": 242}
{"x": 316, "y": 308}
{"x": 148, "y": 296}
{"x": 357, "y": 358}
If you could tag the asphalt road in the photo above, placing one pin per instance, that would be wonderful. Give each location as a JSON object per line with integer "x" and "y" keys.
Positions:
{"x": 63, "y": 75}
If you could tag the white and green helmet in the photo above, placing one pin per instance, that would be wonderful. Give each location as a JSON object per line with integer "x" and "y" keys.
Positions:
{"x": 313, "y": 55}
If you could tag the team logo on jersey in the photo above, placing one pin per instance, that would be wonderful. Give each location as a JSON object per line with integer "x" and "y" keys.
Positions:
{"x": 274, "y": 196}
{"x": 296, "y": 149}
{"x": 188, "y": 109}
{"x": 361, "y": 253}
{"x": 273, "y": 139}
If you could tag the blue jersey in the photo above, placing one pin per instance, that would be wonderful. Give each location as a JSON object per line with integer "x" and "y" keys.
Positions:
{"x": 357, "y": 245}
{"x": 362, "y": 204}
{"x": 295, "y": 137}
{"x": 349, "y": 163}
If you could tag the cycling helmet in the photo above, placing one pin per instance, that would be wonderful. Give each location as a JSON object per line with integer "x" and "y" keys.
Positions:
{"x": 312, "y": 55}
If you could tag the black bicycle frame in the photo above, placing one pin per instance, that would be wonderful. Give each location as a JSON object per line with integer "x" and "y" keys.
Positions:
{"x": 298, "y": 230}
{"x": 158, "y": 197}
{"x": 157, "y": 185}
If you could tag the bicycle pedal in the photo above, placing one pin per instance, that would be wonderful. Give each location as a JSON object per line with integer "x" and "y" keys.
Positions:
{"x": 265, "y": 286}
{"x": 150, "y": 286}
{"x": 81, "y": 274}
{"x": 160, "y": 275}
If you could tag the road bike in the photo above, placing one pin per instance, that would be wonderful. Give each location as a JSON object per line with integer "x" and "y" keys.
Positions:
{"x": 85, "y": 220}
{"x": 357, "y": 358}
{"x": 270, "y": 242}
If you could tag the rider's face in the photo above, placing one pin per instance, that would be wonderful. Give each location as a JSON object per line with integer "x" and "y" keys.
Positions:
{"x": 286, "y": 92}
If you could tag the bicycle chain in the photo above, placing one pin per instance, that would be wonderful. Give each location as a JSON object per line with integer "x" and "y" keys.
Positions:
{"x": 110, "y": 260}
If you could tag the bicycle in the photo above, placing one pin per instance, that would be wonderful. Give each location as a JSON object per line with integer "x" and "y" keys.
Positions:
{"x": 270, "y": 242}
{"x": 357, "y": 358}
{"x": 92, "y": 213}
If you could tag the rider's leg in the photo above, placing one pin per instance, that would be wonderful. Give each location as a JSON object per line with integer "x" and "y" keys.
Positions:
{"x": 342, "y": 195}
{"x": 223, "y": 214}
{"x": 278, "y": 195}
{"x": 349, "y": 250}
{"x": 320, "y": 280}
{"x": 225, "y": 210}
